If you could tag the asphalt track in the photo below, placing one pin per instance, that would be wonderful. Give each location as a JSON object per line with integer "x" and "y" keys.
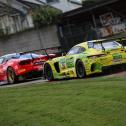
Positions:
{"x": 40, "y": 80}
{"x": 27, "y": 82}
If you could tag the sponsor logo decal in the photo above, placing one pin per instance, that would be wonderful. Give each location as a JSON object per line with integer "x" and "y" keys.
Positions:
{"x": 117, "y": 57}
{"x": 22, "y": 70}
{"x": 62, "y": 62}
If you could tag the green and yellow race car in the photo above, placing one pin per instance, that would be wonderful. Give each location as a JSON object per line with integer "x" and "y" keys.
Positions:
{"x": 86, "y": 58}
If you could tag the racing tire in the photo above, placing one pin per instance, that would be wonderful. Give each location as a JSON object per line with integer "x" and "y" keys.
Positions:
{"x": 11, "y": 76}
{"x": 80, "y": 69}
{"x": 48, "y": 72}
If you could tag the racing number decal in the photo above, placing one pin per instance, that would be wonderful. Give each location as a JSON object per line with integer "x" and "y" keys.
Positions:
{"x": 70, "y": 62}
{"x": 62, "y": 62}
{"x": 117, "y": 57}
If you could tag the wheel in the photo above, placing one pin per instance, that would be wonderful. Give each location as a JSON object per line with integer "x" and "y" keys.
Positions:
{"x": 11, "y": 76}
{"x": 80, "y": 69}
{"x": 48, "y": 72}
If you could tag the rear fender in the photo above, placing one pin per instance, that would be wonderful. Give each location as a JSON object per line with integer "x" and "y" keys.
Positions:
{"x": 92, "y": 66}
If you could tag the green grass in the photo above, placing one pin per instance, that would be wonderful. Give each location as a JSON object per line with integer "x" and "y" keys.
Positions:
{"x": 88, "y": 102}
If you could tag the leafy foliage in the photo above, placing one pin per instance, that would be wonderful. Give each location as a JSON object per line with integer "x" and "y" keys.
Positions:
{"x": 43, "y": 16}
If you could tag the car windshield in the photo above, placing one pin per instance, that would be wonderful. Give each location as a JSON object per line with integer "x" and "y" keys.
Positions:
{"x": 25, "y": 56}
{"x": 35, "y": 55}
{"x": 1, "y": 60}
{"x": 106, "y": 45}
{"x": 28, "y": 56}
{"x": 76, "y": 50}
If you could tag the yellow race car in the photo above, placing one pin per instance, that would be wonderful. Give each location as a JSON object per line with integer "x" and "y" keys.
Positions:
{"x": 86, "y": 58}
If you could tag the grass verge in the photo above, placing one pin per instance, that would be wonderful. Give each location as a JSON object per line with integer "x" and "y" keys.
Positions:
{"x": 88, "y": 102}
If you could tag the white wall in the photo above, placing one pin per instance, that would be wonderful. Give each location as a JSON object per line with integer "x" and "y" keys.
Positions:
{"x": 15, "y": 23}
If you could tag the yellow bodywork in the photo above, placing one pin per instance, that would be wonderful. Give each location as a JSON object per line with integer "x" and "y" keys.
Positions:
{"x": 94, "y": 60}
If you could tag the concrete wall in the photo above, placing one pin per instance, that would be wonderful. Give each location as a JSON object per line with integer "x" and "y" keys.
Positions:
{"x": 30, "y": 40}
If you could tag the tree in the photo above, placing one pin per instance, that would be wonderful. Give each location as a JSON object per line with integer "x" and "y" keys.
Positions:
{"x": 44, "y": 16}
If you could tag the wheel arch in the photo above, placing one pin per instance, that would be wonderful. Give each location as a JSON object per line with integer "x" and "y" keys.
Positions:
{"x": 47, "y": 63}
{"x": 12, "y": 68}
{"x": 95, "y": 66}
{"x": 13, "y": 79}
{"x": 81, "y": 61}
{"x": 78, "y": 60}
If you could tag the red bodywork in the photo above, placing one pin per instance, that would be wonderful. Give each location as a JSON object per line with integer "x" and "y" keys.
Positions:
{"x": 23, "y": 67}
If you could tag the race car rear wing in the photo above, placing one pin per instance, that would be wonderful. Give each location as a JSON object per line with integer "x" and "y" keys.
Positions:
{"x": 46, "y": 51}
{"x": 122, "y": 41}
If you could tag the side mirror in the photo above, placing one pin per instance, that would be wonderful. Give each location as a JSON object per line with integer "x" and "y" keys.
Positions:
{"x": 63, "y": 54}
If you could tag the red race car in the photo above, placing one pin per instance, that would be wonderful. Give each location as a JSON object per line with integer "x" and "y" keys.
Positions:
{"x": 19, "y": 66}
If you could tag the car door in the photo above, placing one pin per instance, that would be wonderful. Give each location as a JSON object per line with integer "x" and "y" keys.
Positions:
{"x": 67, "y": 63}
{"x": 71, "y": 56}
